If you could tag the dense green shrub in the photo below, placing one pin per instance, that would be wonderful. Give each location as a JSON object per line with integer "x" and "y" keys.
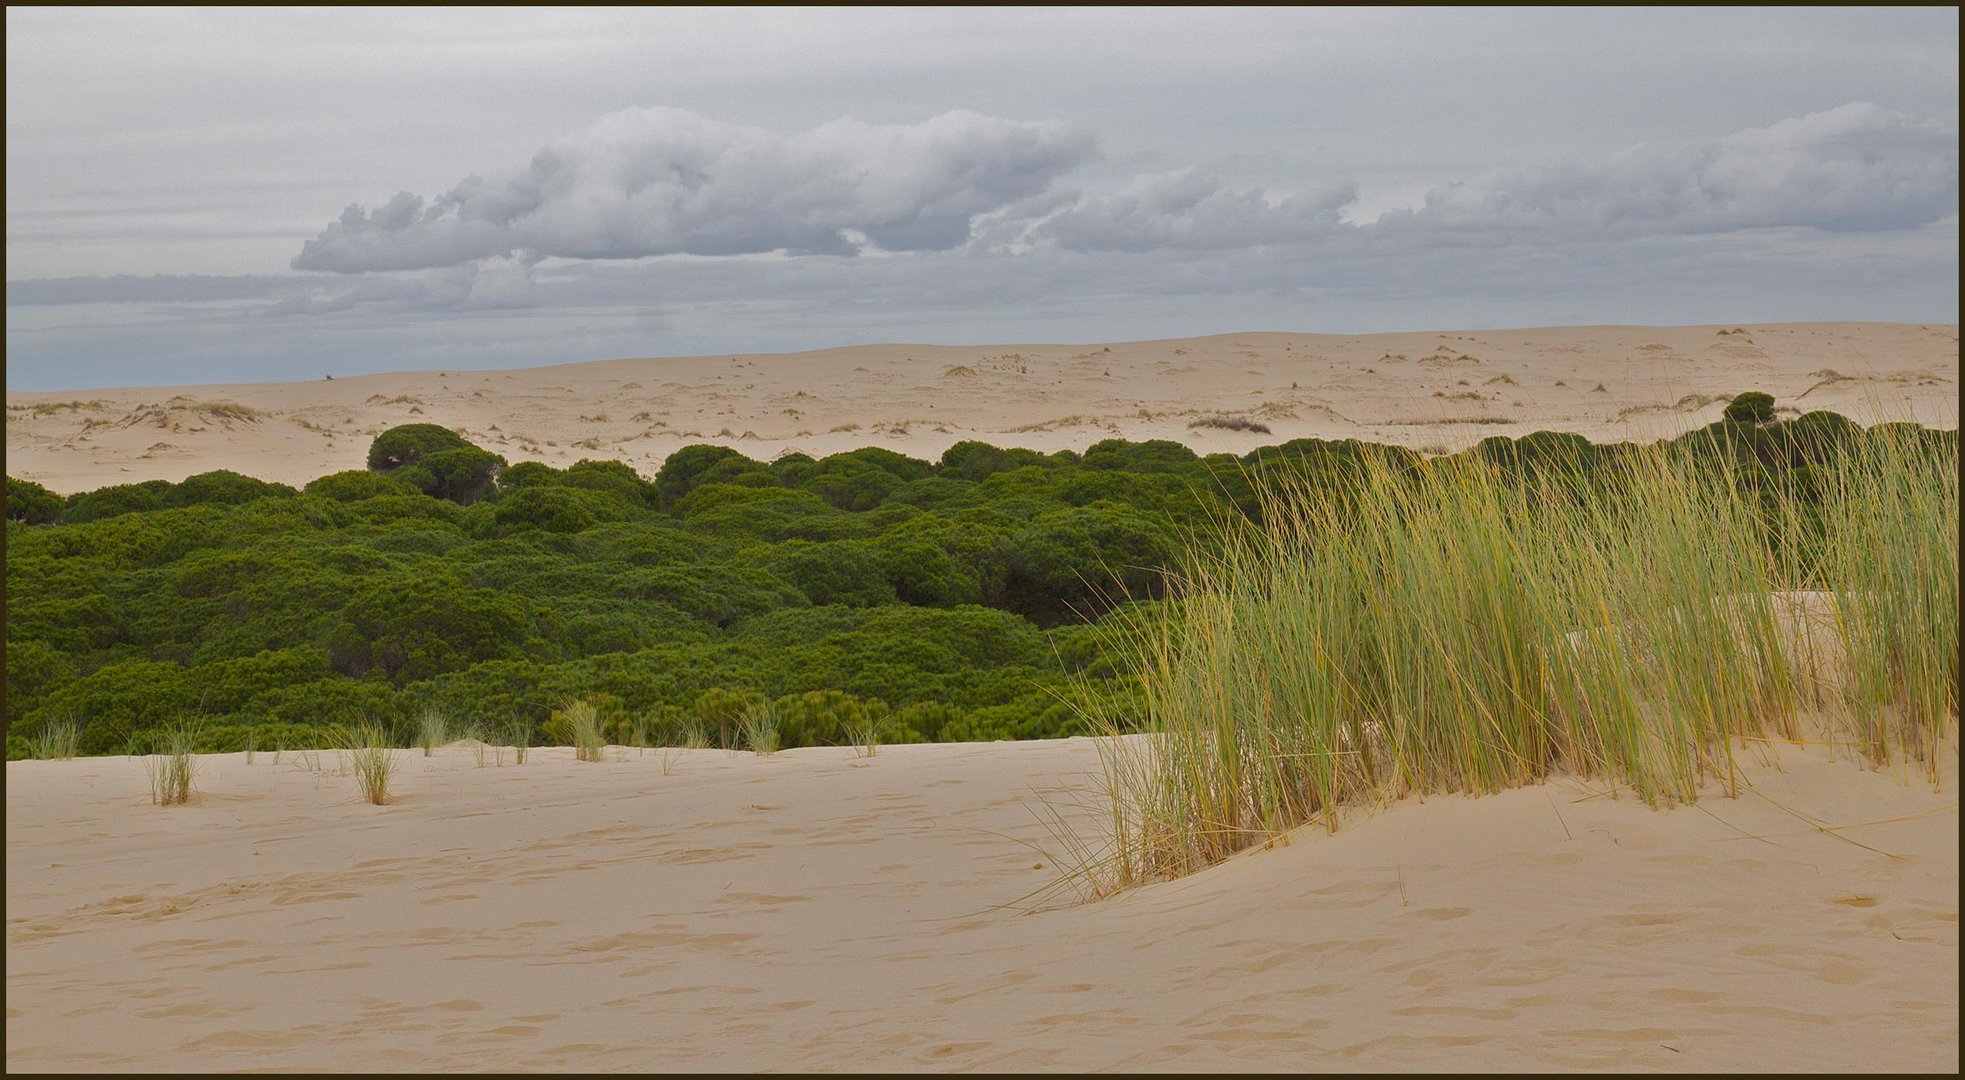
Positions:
{"x": 409, "y": 444}
{"x": 357, "y": 484}
{"x": 950, "y": 598}
{"x": 31, "y": 503}
{"x": 1752, "y": 407}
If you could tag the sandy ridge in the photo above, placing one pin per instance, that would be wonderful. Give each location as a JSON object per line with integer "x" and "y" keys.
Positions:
{"x": 1435, "y": 391}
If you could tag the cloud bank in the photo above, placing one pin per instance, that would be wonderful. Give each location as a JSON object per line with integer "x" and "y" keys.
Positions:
{"x": 662, "y": 181}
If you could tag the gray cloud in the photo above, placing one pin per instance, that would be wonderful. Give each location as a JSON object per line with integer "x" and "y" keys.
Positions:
{"x": 1853, "y": 168}
{"x": 1857, "y": 167}
{"x": 660, "y": 181}
{"x": 1188, "y": 210}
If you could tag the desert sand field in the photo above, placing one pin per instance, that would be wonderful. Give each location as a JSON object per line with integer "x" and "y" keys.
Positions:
{"x": 1431, "y": 391}
{"x": 812, "y": 910}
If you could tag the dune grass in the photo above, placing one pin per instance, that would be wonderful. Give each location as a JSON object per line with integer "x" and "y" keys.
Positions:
{"x": 170, "y": 764}
{"x": 577, "y": 724}
{"x": 56, "y": 740}
{"x": 372, "y": 755}
{"x": 864, "y": 737}
{"x": 433, "y": 729}
{"x": 1447, "y": 628}
{"x": 758, "y": 726}
{"x": 696, "y": 735}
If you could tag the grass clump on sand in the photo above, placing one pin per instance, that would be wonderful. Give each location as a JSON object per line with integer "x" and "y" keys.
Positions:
{"x": 372, "y": 756}
{"x": 433, "y": 729}
{"x": 520, "y": 734}
{"x": 758, "y": 725}
{"x": 1446, "y": 627}
{"x": 577, "y": 723}
{"x": 170, "y": 764}
{"x": 56, "y": 740}
{"x": 1229, "y": 423}
{"x": 864, "y": 737}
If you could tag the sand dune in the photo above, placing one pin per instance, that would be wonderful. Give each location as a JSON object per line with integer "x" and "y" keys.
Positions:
{"x": 1433, "y": 391}
{"x": 815, "y": 911}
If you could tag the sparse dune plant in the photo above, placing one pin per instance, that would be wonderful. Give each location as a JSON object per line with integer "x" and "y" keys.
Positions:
{"x": 170, "y": 764}
{"x": 433, "y": 729}
{"x": 55, "y": 740}
{"x": 864, "y": 737}
{"x": 758, "y": 724}
{"x": 520, "y": 734}
{"x": 372, "y": 756}
{"x": 577, "y": 724}
{"x": 1447, "y": 627}
{"x": 696, "y": 735}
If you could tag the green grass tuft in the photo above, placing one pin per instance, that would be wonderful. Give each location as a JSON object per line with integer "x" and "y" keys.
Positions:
{"x": 170, "y": 763}
{"x": 373, "y": 757}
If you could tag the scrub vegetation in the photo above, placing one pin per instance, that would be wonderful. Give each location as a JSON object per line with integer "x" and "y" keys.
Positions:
{"x": 869, "y": 598}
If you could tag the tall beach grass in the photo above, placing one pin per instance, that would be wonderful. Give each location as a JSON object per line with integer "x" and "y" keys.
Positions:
{"x": 1447, "y": 627}
{"x": 56, "y": 740}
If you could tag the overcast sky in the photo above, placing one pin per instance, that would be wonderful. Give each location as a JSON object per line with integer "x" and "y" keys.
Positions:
{"x": 231, "y": 195}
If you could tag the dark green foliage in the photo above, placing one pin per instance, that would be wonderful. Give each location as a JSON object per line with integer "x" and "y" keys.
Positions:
{"x": 409, "y": 444}
{"x": 1080, "y": 561}
{"x": 1752, "y": 407}
{"x": 1153, "y": 455}
{"x": 560, "y": 509}
{"x": 224, "y": 488}
{"x": 852, "y": 482}
{"x": 355, "y": 485}
{"x": 462, "y": 474}
{"x": 114, "y": 501}
{"x": 29, "y": 502}
{"x": 835, "y": 572}
{"x": 684, "y": 470}
{"x": 934, "y": 601}
{"x": 610, "y": 476}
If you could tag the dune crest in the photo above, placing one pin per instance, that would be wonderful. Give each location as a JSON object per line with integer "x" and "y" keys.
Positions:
{"x": 1434, "y": 391}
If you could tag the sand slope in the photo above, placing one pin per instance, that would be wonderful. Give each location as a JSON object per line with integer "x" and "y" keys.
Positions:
{"x": 1434, "y": 391}
{"x": 816, "y": 911}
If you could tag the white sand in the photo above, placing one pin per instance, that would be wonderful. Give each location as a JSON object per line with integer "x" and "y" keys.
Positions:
{"x": 1433, "y": 391}
{"x": 814, "y": 911}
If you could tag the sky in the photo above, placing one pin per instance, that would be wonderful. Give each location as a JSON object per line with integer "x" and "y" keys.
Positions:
{"x": 232, "y": 195}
